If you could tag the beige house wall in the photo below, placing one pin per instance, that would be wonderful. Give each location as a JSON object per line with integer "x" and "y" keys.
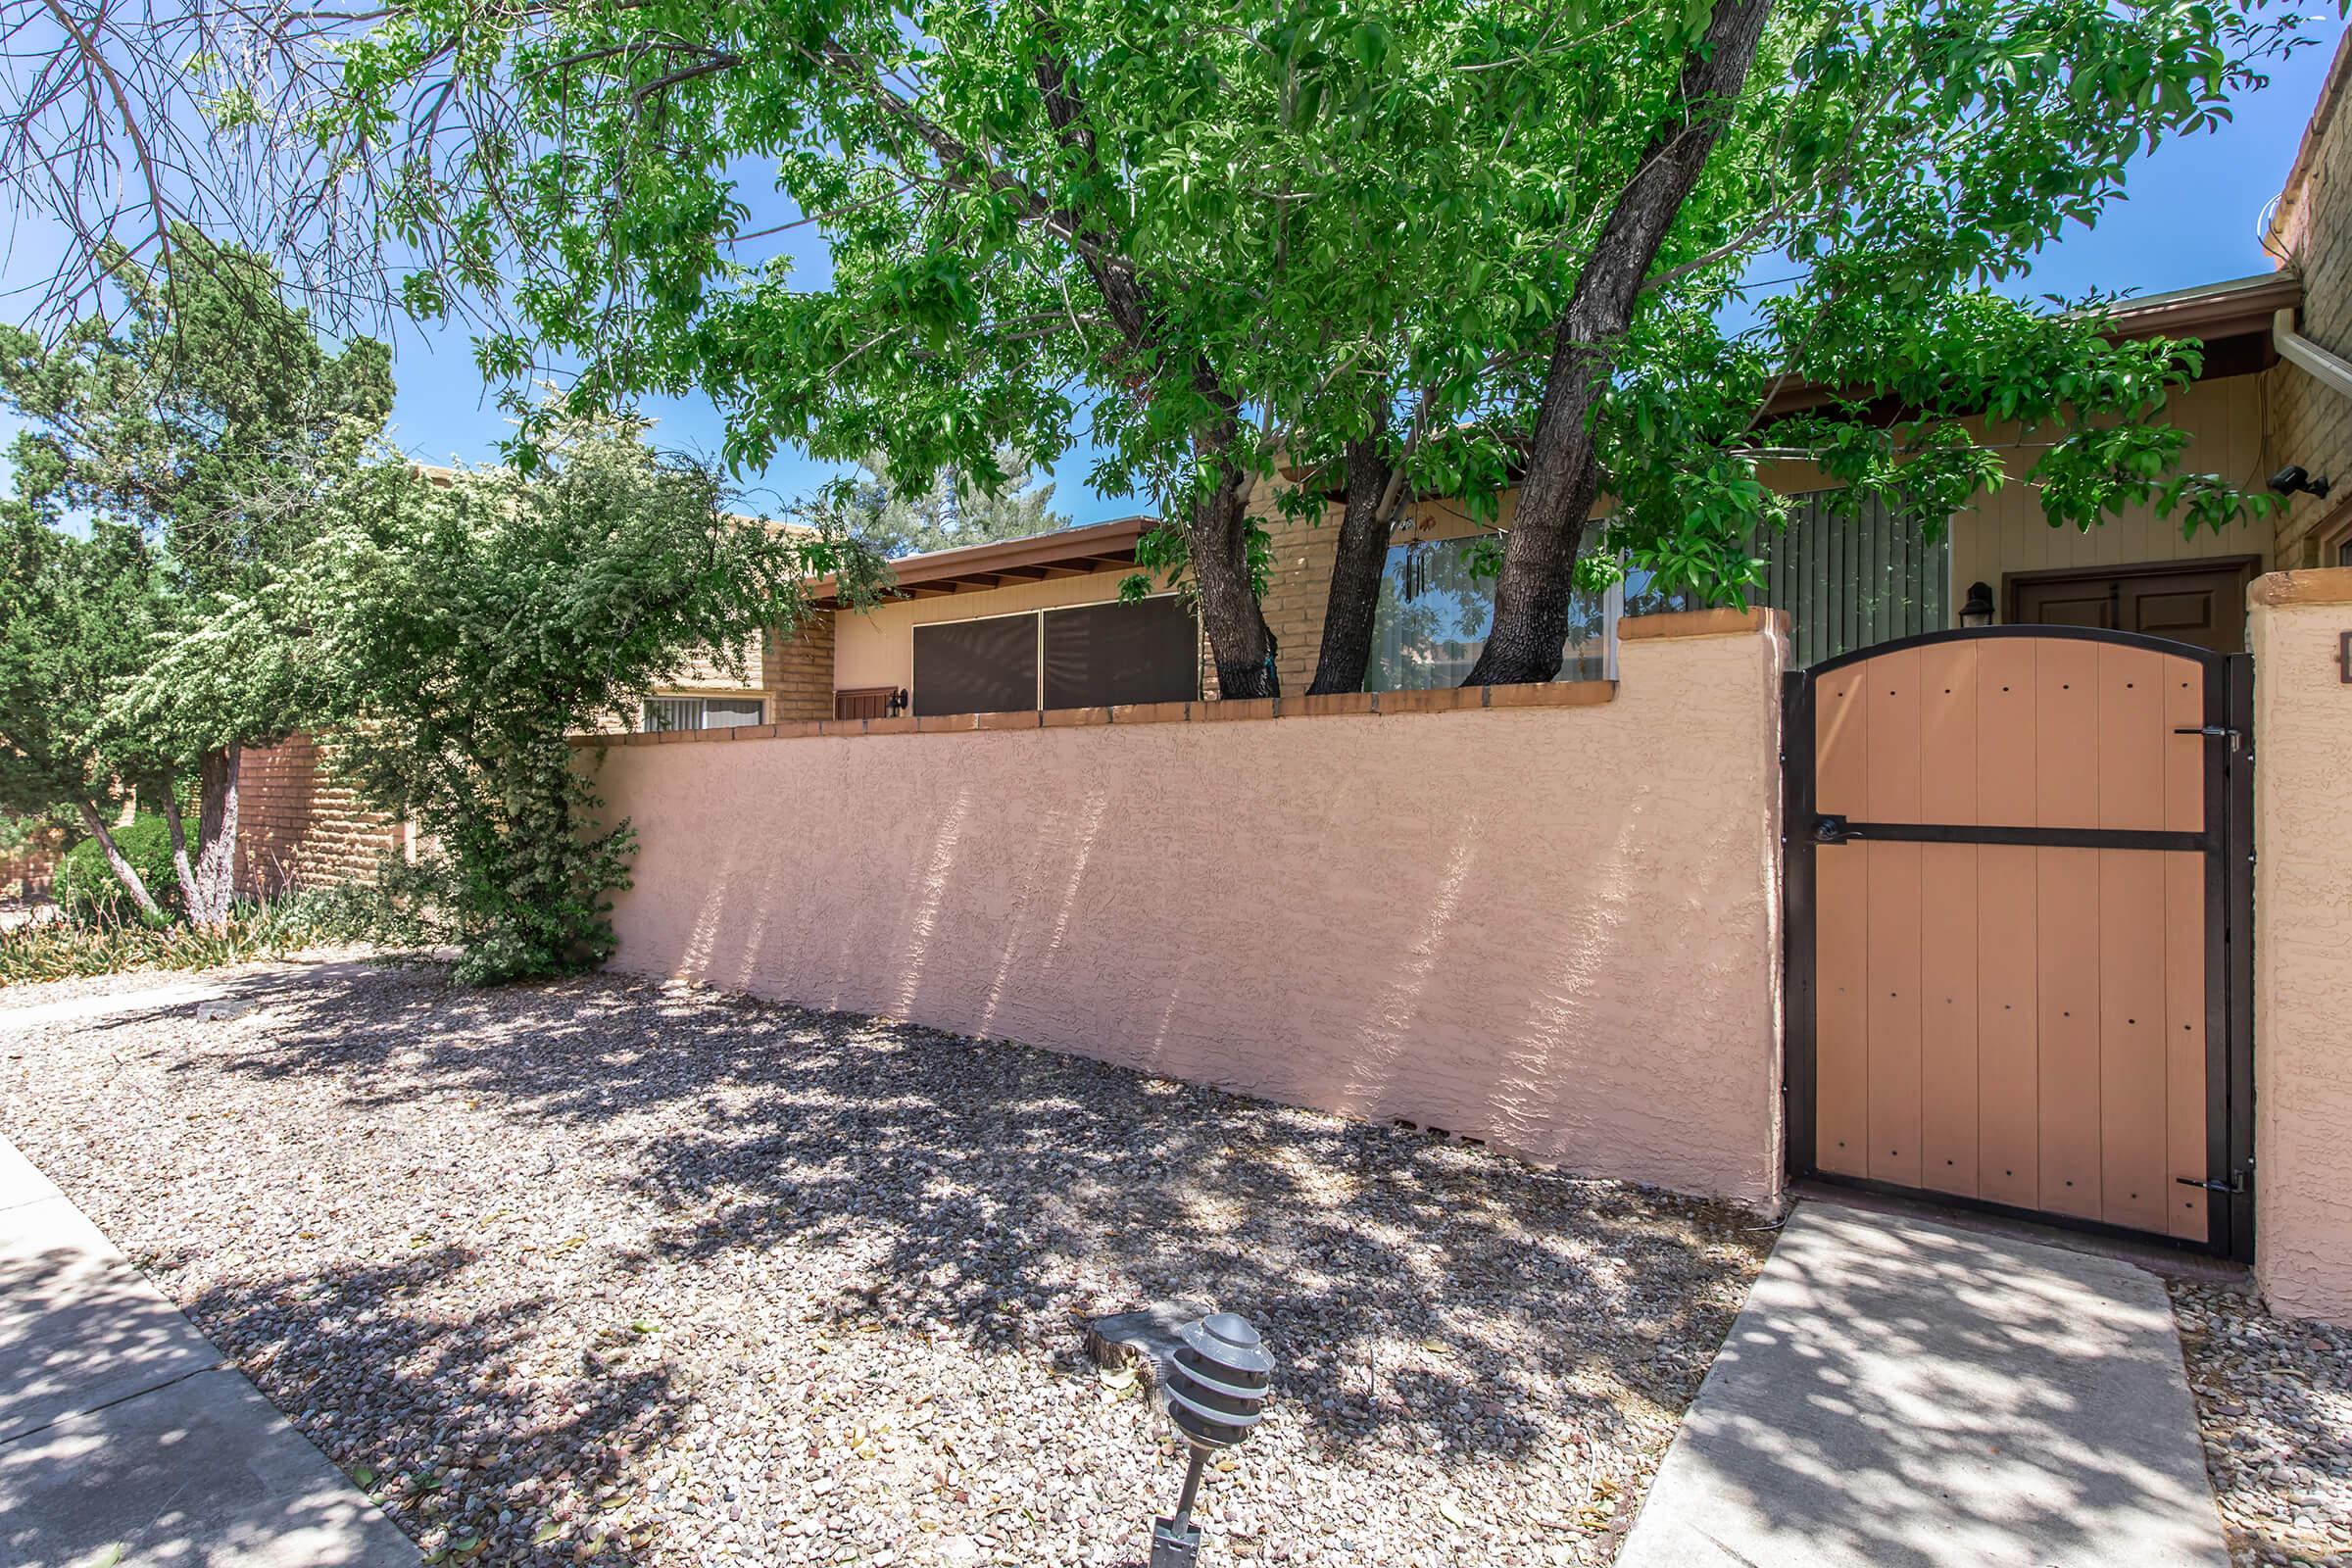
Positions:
{"x": 2006, "y": 532}
{"x": 1575, "y": 955}
{"x": 2303, "y": 943}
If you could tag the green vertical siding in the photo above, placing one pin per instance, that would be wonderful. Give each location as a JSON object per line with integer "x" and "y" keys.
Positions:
{"x": 1849, "y": 582}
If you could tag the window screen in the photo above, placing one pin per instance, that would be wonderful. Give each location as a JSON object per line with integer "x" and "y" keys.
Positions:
{"x": 1146, "y": 652}
{"x": 674, "y": 712}
{"x": 724, "y": 712}
{"x": 976, "y": 666}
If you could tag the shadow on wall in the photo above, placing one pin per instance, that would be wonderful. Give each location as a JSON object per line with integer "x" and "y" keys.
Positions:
{"x": 972, "y": 1194}
{"x": 1591, "y": 983}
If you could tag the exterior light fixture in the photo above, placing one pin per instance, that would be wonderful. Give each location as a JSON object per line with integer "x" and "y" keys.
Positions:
{"x": 1216, "y": 1386}
{"x": 2295, "y": 477}
{"x": 1978, "y": 610}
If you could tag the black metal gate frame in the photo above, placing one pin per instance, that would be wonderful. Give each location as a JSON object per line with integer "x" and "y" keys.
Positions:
{"x": 2226, "y": 842}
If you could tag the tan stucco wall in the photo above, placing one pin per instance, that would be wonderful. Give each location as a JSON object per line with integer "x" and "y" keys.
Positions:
{"x": 876, "y": 646}
{"x": 2303, "y": 943}
{"x": 1552, "y": 927}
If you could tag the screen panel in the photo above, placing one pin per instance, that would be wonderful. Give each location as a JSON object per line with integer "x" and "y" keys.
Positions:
{"x": 976, "y": 666}
{"x": 1099, "y": 655}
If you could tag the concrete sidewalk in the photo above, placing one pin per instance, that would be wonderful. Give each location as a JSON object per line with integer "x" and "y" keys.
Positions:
{"x": 1902, "y": 1395}
{"x": 125, "y": 1439}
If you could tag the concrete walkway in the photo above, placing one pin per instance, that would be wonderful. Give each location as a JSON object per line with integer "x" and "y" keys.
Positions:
{"x": 1898, "y": 1395}
{"x": 125, "y": 1439}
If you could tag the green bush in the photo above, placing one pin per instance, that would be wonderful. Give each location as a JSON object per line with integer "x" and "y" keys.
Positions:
{"x": 65, "y": 947}
{"x": 86, "y": 886}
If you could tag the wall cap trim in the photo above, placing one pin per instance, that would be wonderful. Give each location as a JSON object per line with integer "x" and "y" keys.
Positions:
{"x": 2316, "y": 586}
{"x": 1343, "y": 704}
{"x": 1717, "y": 622}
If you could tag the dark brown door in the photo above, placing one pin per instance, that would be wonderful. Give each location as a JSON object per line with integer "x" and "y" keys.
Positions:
{"x": 2199, "y": 602}
{"x": 2008, "y": 893}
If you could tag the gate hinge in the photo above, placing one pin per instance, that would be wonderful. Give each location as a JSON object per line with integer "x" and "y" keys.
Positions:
{"x": 2238, "y": 1183}
{"x": 2237, "y": 738}
{"x": 1830, "y": 828}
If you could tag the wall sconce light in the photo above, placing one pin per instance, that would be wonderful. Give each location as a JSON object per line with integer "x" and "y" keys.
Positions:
{"x": 2294, "y": 478}
{"x": 1976, "y": 610}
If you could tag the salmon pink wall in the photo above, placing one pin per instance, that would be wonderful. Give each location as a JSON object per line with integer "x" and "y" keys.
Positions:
{"x": 1554, "y": 927}
{"x": 2303, "y": 943}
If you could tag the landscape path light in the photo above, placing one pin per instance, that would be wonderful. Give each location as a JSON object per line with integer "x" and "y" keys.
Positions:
{"x": 1215, "y": 1385}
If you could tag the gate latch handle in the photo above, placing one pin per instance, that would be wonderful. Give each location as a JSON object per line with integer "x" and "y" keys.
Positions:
{"x": 2235, "y": 1184}
{"x": 1830, "y": 828}
{"x": 2216, "y": 732}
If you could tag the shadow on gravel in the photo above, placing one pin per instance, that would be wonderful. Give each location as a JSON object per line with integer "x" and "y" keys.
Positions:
{"x": 995, "y": 1192}
{"x": 309, "y": 1338}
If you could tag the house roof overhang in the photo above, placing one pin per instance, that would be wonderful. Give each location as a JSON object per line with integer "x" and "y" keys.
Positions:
{"x": 2231, "y": 318}
{"x": 1039, "y": 557}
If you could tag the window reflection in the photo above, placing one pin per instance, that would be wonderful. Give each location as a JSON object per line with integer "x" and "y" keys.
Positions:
{"x": 1436, "y": 608}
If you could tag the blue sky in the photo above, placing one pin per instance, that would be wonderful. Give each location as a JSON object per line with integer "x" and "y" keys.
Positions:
{"x": 2194, "y": 216}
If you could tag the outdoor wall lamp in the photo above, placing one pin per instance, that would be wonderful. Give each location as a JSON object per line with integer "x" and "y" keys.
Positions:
{"x": 1976, "y": 610}
{"x": 1215, "y": 1386}
{"x": 2295, "y": 477}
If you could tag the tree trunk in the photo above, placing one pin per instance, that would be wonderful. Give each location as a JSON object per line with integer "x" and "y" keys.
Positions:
{"x": 1356, "y": 568}
{"x": 123, "y": 873}
{"x": 1240, "y": 642}
{"x": 209, "y": 885}
{"x": 1548, "y": 528}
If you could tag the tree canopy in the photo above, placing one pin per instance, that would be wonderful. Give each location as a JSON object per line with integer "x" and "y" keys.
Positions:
{"x": 1588, "y": 254}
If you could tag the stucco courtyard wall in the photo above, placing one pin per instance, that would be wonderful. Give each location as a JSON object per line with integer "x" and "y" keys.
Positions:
{"x": 2303, "y": 942}
{"x": 1551, "y": 923}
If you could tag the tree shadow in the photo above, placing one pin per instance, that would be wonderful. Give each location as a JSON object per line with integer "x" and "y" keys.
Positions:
{"x": 1519, "y": 1340}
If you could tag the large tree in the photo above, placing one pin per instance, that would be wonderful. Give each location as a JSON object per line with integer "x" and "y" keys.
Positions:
{"x": 202, "y": 412}
{"x": 1418, "y": 249}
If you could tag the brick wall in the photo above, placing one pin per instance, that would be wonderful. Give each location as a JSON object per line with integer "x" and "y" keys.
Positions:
{"x": 2310, "y": 424}
{"x": 799, "y": 672}
{"x": 298, "y": 826}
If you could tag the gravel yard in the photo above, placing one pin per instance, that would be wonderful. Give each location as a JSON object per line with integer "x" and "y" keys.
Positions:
{"x": 2274, "y": 1400}
{"x": 606, "y": 1271}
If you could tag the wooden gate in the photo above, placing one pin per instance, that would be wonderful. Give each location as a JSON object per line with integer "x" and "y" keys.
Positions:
{"x": 2020, "y": 892}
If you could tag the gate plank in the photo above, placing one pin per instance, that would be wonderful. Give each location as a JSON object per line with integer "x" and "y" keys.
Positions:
{"x": 2065, "y": 732}
{"x": 1842, "y": 748}
{"x": 2008, "y": 1003}
{"x": 1892, "y": 683}
{"x": 2067, "y": 899}
{"x": 2006, "y": 683}
{"x": 2132, "y": 737}
{"x": 1841, "y": 1008}
{"x": 2183, "y": 755}
{"x": 2133, "y": 1061}
{"x": 1947, "y": 1036}
{"x": 2185, "y": 1104}
{"x": 1947, "y": 736}
{"x": 1894, "y": 1012}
